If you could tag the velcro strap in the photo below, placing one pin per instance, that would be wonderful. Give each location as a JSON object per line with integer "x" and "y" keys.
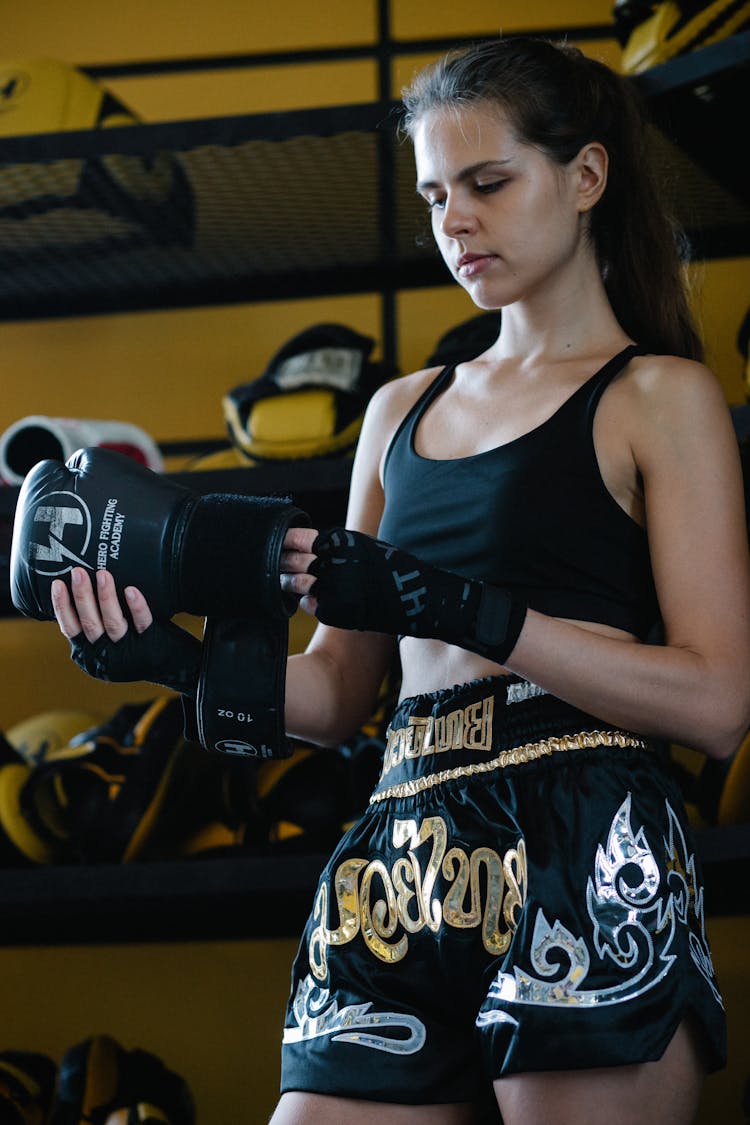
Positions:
{"x": 239, "y": 707}
{"x": 228, "y": 559}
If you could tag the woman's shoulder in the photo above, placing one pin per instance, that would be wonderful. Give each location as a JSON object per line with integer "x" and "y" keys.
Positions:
{"x": 394, "y": 399}
{"x": 673, "y": 398}
{"x": 657, "y": 383}
{"x": 663, "y": 374}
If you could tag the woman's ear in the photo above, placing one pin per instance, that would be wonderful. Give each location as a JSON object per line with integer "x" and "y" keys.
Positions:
{"x": 591, "y": 167}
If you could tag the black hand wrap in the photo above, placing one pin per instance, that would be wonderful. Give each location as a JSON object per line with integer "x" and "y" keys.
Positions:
{"x": 163, "y": 654}
{"x": 363, "y": 583}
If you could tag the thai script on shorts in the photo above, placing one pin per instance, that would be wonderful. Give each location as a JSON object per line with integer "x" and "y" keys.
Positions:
{"x": 429, "y": 886}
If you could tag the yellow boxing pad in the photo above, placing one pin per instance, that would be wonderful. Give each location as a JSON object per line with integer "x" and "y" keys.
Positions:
{"x": 310, "y": 400}
{"x": 653, "y": 33}
{"x": 120, "y": 196}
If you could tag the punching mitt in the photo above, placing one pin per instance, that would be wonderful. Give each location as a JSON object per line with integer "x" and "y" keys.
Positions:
{"x": 217, "y": 554}
{"x": 309, "y": 401}
{"x": 111, "y": 199}
{"x": 100, "y": 1081}
{"x": 27, "y": 1087}
{"x": 21, "y": 844}
{"x": 466, "y": 340}
{"x": 654, "y": 31}
{"x": 106, "y": 795}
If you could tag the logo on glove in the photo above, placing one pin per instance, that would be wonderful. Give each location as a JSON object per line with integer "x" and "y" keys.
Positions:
{"x": 237, "y": 746}
{"x": 60, "y": 516}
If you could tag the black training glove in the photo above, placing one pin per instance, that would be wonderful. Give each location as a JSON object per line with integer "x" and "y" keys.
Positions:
{"x": 163, "y": 654}
{"x": 363, "y": 583}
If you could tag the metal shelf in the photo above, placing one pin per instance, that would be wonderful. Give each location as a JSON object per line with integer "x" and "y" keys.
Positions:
{"x": 307, "y": 203}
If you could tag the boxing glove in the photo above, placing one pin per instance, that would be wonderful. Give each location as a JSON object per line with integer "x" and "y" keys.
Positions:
{"x": 214, "y": 554}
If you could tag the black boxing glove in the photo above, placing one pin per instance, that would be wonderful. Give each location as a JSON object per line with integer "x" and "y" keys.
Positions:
{"x": 363, "y": 583}
{"x": 217, "y": 554}
{"x": 162, "y": 654}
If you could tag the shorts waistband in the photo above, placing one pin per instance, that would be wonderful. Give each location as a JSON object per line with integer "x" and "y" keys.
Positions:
{"x": 481, "y": 727}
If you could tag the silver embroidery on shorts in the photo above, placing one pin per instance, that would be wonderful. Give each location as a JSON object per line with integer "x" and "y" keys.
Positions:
{"x": 518, "y": 693}
{"x": 634, "y": 913}
{"x": 354, "y": 1023}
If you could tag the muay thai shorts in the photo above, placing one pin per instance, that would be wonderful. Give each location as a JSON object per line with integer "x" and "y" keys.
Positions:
{"x": 522, "y": 894}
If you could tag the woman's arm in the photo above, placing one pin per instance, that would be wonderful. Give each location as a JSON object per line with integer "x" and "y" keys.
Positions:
{"x": 695, "y": 688}
{"x": 332, "y": 687}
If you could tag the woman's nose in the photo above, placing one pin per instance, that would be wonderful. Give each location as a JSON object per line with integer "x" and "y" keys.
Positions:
{"x": 457, "y": 217}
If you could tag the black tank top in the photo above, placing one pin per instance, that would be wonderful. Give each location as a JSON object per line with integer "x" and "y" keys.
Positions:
{"x": 533, "y": 515}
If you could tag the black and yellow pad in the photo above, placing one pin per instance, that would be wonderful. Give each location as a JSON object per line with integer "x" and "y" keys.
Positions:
{"x": 309, "y": 401}
{"x": 653, "y": 31}
{"x": 27, "y": 1086}
{"x": 112, "y": 791}
{"x": 117, "y": 198}
{"x": 47, "y": 732}
{"x": 21, "y": 844}
{"x": 305, "y": 802}
{"x": 101, "y": 1083}
{"x": 466, "y": 340}
{"x": 222, "y": 818}
{"x": 24, "y": 745}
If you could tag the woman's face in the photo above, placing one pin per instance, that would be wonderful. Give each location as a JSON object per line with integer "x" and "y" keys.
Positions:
{"x": 505, "y": 216}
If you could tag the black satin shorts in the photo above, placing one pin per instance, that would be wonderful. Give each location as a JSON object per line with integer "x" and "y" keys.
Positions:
{"x": 522, "y": 894}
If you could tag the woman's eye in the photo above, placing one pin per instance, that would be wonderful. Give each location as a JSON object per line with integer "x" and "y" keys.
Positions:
{"x": 435, "y": 204}
{"x": 488, "y": 189}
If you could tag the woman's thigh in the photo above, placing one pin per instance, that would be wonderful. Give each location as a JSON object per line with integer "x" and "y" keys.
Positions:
{"x": 665, "y": 1092}
{"x": 297, "y": 1108}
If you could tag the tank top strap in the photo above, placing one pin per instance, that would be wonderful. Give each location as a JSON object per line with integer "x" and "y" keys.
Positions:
{"x": 598, "y": 384}
{"x": 411, "y": 419}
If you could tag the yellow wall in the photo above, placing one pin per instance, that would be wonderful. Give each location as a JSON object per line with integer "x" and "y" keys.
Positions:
{"x": 213, "y": 1010}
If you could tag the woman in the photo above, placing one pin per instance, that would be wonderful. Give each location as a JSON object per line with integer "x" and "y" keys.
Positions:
{"x": 520, "y": 906}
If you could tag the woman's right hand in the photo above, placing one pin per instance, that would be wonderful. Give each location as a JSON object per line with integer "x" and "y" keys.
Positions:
{"x": 106, "y": 645}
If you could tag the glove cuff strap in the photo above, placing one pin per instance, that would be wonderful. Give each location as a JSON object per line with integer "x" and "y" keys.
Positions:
{"x": 230, "y": 556}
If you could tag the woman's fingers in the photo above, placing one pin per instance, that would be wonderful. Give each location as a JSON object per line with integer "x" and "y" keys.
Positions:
{"x": 94, "y": 607}
{"x": 65, "y": 613}
{"x": 139, "y": 609}
{"x": 108, "y": 609}
{"x": 300, "y": 539}
{"x": 299, "y": 584}
{"x": 309, "y": 605}
{"x": 295, "y": 560}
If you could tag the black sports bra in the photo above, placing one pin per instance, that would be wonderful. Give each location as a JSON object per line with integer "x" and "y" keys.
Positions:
{"x": 533, "y": 515}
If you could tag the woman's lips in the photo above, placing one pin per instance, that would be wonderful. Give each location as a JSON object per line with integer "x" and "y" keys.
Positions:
{"x": 470, "y": 265}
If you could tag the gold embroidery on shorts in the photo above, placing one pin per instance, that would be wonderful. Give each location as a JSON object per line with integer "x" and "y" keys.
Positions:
{"x": 486, "y": 890}
{"x": 519, "y": 755}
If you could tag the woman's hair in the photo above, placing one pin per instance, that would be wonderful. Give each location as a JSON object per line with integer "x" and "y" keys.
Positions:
{"x": 558, "y": 99}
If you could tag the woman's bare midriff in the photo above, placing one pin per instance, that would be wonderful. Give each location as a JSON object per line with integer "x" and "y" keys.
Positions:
{"x": 430, "y": 665}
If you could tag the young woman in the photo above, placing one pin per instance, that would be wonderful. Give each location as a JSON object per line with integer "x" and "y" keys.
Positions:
{"x": 554, "y": 535}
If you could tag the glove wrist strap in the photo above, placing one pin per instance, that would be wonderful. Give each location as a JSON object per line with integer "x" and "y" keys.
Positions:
{"x": 230, "y": 556}
{"x": 499, "y": 620}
